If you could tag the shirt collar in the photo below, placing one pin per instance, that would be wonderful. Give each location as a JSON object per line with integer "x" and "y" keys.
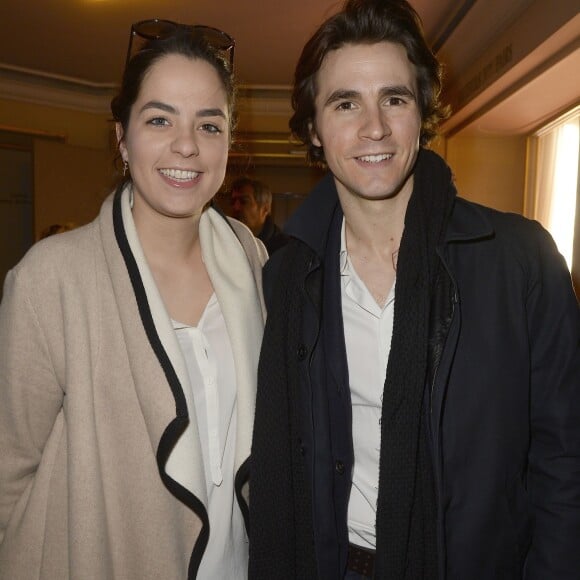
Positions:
{"x": 343, "y": 252}
{"x": 353, "y": 285}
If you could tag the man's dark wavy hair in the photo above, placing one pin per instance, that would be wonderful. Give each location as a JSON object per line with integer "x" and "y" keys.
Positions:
{"x": 367, "y": 22}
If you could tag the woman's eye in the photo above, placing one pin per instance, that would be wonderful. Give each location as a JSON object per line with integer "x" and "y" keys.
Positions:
{"x": 158, "y": 121}
{"x": 345, "y": 106}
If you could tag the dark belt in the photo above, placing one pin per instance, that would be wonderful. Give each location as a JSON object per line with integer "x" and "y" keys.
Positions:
{"x": 361, "y": 560}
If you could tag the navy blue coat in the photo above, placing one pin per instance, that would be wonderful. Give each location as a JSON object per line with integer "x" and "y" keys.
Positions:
{"x": 504, "y": 406}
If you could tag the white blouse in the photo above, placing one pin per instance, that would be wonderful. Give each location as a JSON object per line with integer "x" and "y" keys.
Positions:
{"x": 208, "y": 356}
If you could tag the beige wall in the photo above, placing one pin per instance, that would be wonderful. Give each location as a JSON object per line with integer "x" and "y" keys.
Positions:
{"x": 289, "y": 188}
{"x": 73, "y": 164}
{"x": 75, "y": 127}
{"x": 71, "y": 177}
{"x": 70, "y": 183}
{"x": 489, "y": 170}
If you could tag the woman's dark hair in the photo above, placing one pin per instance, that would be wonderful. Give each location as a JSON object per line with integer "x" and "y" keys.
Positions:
{"x": 184, "y": 41}
{"x": 367, "y": 22}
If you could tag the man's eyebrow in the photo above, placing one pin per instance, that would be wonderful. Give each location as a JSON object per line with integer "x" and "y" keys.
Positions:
{"x": 397, "y": 91}
{"x": 340, "y": 95}
{"x": 387, "y": 91}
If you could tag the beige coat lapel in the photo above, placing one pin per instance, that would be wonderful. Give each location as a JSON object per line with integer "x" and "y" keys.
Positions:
{"x": 185, "y": 462}
{"x": 157, "y": 404}
{"x": 235, "y": 286}
{"x": 240, "y": 301}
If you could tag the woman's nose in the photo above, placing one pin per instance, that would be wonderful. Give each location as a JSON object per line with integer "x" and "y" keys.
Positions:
{"x": 185, "y": 144}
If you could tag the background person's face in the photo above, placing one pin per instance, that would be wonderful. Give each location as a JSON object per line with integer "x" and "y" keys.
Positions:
{"x": 245, "y": 208}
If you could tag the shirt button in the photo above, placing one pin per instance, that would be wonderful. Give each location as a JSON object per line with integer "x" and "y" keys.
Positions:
{"x": 301, "y": 352}
{"x": 339, "y": 465}
{"x": 301, "y": 447}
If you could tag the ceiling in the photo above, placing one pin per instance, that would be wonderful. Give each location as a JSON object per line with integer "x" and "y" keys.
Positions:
{"x": 86, "y": 40}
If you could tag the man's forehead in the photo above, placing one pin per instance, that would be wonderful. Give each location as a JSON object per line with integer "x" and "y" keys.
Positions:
{"x": 245, "y": 191}
{"x": 354, "y": 62}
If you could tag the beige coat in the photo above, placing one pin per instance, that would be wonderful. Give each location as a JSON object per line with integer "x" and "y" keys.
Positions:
{"x": 101, "y": 472}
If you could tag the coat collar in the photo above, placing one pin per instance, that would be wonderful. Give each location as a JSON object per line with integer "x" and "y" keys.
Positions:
{"x": 311, "y": 222}
{"x": 240, "y": 300}
{"x": 469, "y": 222}
{"x": 161, "y": 380}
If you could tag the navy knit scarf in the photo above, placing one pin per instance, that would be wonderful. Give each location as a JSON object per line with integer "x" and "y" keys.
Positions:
{"x": 406, "y": 508}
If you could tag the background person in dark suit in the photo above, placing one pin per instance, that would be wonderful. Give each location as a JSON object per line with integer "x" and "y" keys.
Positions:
{"x": 251, "y": 203}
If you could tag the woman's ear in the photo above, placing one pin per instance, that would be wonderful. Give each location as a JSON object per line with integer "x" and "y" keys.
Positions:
{"x": 120, "y": 141}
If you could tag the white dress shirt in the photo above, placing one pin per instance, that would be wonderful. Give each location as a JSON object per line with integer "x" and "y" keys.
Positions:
{"x": 208, "y": 356}
{"x": 367, "y": 330}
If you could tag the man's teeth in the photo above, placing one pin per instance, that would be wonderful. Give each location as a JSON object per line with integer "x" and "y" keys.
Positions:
{"x": 375, "y": 158}
{"x": 179, "y": 174}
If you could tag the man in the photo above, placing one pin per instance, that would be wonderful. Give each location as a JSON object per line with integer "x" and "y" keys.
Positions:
{"x": 418, "y": 407}
{"x": 251, "y": 203}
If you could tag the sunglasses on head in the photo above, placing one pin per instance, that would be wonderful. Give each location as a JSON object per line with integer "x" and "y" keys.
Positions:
{"x": 156, "y": 29}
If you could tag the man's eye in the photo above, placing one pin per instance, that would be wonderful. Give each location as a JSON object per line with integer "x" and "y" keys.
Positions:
{"x": 345, "y": 106}
{"x": 395, "y": 101}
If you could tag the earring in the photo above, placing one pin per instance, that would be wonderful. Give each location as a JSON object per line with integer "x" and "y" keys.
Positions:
{"x": 125, "y": 167}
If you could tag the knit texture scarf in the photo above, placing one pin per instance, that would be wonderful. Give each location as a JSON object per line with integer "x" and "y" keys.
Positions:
{"x": 406, "y": 507}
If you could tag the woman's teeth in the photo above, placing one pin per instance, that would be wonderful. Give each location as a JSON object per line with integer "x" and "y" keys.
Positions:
{"x": 179, "y": 174}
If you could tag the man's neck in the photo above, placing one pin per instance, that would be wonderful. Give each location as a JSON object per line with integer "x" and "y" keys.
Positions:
{"x": 375, "y": 224}
{"x": 373, "y": 234}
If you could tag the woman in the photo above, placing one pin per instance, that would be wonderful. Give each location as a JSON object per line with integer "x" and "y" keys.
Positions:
{"x": 128, "y": 352}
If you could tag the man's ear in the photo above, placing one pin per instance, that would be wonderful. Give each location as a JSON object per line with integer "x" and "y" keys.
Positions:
{"x": 120, "y": 141}
{"x": 314, "y": 135}
{"x": 265, "y": 209}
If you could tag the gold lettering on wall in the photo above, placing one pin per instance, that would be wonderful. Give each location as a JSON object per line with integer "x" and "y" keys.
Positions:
{"x": 488, "y": 72}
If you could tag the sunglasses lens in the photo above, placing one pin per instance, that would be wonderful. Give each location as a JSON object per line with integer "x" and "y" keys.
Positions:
{"x": 216, "y": 38}
{"x": 146, "y": 30}
{"x": 152, "y": 29}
